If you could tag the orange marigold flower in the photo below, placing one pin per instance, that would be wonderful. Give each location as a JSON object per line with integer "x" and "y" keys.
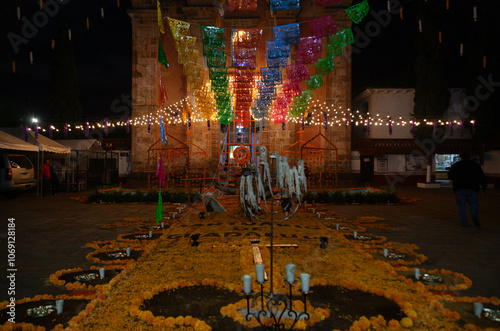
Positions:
{"x": 170, "y": 322}
{"x": 179, "y": 320}
{"x": 393, "y": 324}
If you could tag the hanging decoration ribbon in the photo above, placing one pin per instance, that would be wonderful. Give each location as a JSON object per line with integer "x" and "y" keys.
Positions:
{"x": 162, "y": 57}
{"x": 208, "y": 125}
{"x": 390, "y": 126}
{"x": 36, "y": 131}
{"x": 159, "y": 209}
{"x": 434, "y": 128}
{"x": 160, "y": 173}
{"x": 160, "y": 17}
{"x": 51, "y": 131}
{"x": 346, "y": 121}
{"x": 325, "y": 120}
{"x": 25, "y": 133}
{"x": 106, "y": 124}
{"x": 87, "y": 129}
{"x": 461, "y": 128}
{"x": 65, "y": 130}
{"x": 368, "y": 126}
{"x": 451, "y": 128}
{"x": 413, "y": 127}
{"x": 302, "y": 122}
{"x": 162, "y": 131}
{"x": 127, "y": 125}
{"x": 149, "y": 123}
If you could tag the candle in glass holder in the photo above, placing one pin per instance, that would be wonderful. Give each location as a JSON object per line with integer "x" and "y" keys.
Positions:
{"x": 150, "y": 234}
{"x": 127, "y": 250}
{"x": 259, "y": 270}
{"x": 102, "y": 272}
{"x": 355, "y": 234}
{"x": 386, "y": 252}
{"x": 247, "y": 284}
{"x": 290, "y": 272}
{"x": 305, "y": 279}
{"x": 337, "y": 226}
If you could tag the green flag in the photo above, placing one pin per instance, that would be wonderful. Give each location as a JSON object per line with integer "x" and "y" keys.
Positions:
{"x": 159, "y": 209}
{"x": 162, "y": 58}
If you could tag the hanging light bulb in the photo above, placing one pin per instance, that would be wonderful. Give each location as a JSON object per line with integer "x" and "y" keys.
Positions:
{"x": 474, "y": 11}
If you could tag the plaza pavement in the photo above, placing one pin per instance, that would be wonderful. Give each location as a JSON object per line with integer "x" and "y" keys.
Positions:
{"x": 51, "y": 234}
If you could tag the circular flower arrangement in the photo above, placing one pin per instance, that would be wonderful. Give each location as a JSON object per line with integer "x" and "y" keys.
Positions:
{"x": 138, "y": 236}
{"x": 112, "y": 256}
{"x": 39, "y": 312}
{"x": 78, "y": 279}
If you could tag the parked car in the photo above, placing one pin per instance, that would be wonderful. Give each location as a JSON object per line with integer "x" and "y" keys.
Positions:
{"x": 16, "y": 174}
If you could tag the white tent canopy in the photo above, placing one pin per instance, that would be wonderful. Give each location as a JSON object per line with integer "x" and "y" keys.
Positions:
{"x": 8, "y": 141}
{"x": 45, "y": 144}
{"x": 88, "y": 145}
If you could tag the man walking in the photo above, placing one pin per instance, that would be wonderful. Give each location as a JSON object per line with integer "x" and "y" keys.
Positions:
{"x": 467, "y": 177}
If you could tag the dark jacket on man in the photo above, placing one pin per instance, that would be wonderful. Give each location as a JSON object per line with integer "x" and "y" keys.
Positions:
{"x": 467, "y": 174}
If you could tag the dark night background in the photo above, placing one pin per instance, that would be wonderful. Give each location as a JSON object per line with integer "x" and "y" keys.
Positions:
{"x": 103, "y": 53}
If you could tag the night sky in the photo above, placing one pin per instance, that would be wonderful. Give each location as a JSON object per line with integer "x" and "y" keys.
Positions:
{"x": 383, "y": 57}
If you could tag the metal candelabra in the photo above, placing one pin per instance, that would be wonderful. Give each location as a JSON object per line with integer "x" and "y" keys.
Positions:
{"x": 277, "y": 306}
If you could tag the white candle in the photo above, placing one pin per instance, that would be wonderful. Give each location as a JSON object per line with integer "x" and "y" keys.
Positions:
{"x": 259, "y": 270}
{"x": 478, "y": 308}
{"x": 128, "y": 251}
{"x": 355, "y": 234}
{"x": 102, "y": 272}
{"x": 337, "y": 226}
{"x": 290, "y": 272}
{"x": 247, "y": 284}
{"x": 59, "y": 305}
{"x": 386, "y": 252}
{"x": 162, "y": 225}
{"x": 305, "y": 279}
{"x": 417, "y": 273}
{"x": 150, "y": 234}
{"x": 173, "y": 215}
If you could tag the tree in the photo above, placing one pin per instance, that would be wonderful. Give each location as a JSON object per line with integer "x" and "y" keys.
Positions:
{"x": 431, "y": 88}
{"x": 64, "y": 94}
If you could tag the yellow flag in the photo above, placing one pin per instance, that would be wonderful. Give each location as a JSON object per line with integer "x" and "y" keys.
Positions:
{"x": 160, "y": 17}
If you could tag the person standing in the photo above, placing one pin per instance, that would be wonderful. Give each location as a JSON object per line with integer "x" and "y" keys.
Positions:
{"x": 54, "y": 179}
{"x": 468, "y": 178}
{"x": 46, "y": 177}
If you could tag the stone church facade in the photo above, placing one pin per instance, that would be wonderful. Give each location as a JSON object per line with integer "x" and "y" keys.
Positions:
{"x": 146, "y": 70}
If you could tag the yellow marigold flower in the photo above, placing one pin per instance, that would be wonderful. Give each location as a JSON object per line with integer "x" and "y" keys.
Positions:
{"x": 301, "y": 325}
{"x": 179, "y": 320}
{"x": 406, "y": 322}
